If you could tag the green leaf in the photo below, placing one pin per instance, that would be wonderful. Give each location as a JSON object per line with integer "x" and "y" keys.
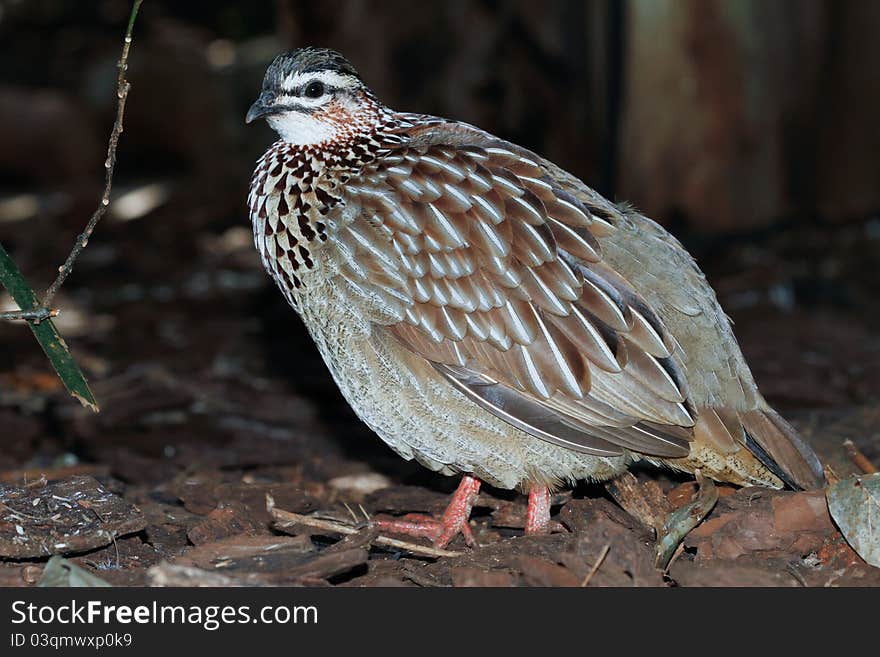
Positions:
{"x": 46, "y": 333}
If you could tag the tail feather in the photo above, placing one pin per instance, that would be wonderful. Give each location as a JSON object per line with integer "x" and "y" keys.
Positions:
{"x": 778, "y": 446}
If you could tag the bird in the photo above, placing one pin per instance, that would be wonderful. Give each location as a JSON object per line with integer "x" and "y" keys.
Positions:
{"x": 488, "y": 314}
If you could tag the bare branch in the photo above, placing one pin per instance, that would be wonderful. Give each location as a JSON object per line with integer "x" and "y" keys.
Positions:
{"x": 856, "y": 456}
{"x": 122, "y": 88}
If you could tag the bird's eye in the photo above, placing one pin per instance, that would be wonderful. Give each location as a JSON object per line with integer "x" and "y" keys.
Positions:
{"x": 314, "y": 89}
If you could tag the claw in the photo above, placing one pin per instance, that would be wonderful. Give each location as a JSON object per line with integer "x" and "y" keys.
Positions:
{"x": 441, "y": 532}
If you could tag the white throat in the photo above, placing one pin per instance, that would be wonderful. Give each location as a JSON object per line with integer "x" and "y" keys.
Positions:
{"x": 302, "y": 129}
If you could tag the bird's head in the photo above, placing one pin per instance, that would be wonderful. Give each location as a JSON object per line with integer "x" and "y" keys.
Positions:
{"x": 313, "y": 96}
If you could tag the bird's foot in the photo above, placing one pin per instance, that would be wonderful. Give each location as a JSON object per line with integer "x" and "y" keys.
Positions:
{"x": 538, "y": 514}
{"x": 441, "y": 532}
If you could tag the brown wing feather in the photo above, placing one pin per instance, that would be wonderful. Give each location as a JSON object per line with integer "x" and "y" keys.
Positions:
{"x": 488, "y": 262}
{"x": 495, "y": 274}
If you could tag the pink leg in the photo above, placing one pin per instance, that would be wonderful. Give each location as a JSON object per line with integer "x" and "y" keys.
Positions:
{"x": 538, "y": 515}
{"x": 441, "y": 532}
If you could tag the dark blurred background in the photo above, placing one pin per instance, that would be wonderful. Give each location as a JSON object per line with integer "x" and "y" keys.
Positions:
{"x": 749, "y": 128}
{"x": 724, "y": 115}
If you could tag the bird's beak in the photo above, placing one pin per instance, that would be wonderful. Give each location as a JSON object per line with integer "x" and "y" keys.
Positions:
{"x": 261, "y": 108}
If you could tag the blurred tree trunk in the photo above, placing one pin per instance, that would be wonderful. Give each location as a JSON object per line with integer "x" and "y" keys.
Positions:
{"x": 714, "y": 89}
{"x": 848, "y": 105}
{"x": 737, "y": 113}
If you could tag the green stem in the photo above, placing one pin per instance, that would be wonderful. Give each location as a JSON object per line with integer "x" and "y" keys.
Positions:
{"x": 47, "y": 335}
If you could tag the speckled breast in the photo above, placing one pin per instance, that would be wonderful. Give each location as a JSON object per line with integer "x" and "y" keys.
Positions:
{"x": 290, "y": 198}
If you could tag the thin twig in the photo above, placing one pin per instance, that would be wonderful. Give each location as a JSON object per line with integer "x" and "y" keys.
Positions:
{"x": 122, "y": 88}
{"x": 596, "y": 566}
{"x": 288, "y": 519}
{"x": 675, "y": 555}
{"x": 856, "y": 456}
{"x": 350, "y": 512}
{"x": 116, "y": 547}
{"x": 36, "y": 315}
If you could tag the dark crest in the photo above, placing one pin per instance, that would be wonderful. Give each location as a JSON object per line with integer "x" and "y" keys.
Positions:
{"x": 307, "y": 60}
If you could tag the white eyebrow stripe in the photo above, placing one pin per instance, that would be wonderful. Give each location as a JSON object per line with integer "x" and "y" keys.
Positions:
{"x": 329, "y": 78}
